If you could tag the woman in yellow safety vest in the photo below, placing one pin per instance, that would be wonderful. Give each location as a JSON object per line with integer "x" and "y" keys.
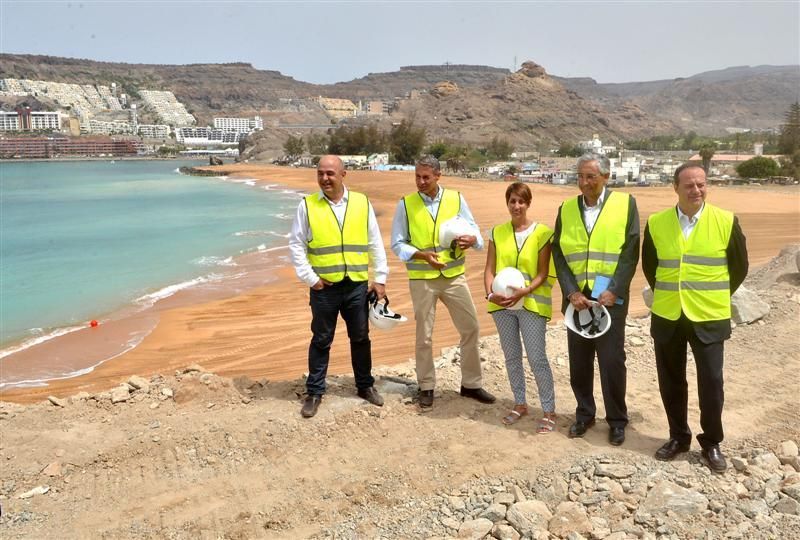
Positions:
{"x": 525, "y": 245}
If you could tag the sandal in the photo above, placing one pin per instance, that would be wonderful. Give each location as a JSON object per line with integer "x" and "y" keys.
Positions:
{"x": 514, "y": 415}
{"x": 547, "y": 424}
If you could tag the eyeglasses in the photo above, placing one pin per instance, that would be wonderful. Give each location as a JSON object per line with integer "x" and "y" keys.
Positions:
{"x": 587, "y": 176}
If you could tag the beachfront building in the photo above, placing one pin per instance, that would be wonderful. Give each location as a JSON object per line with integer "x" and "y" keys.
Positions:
{"x": 49, "y": 147}
{"x": 206, "y": 136}
{"x": 338, "y": 108}
{"x": 24, "y": 119}
{"x": 113, "y": 127}
{"x": 240, "y": 125}
{"x": 153, "y": 131}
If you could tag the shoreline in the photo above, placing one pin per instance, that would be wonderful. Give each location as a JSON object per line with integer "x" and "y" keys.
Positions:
{"x": 77, "y": 349}
{"x": 241, "y": 335}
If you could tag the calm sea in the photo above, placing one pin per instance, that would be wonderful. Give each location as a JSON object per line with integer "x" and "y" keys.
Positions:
{"x": 81, "y": 240}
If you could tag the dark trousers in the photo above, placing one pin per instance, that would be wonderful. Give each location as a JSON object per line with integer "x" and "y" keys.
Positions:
{"x": 350, "y": 299}
{"x": 610, "y": 351}
{"x": 671, "y": 365}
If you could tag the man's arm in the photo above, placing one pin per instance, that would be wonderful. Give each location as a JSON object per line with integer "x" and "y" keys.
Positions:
{"x": 566, "y": 279}
{"x": 401, "y": 245}
{"x": 299, "y": 237}
{"x": 649, "y": 258}
{"x": 377, "y": 253}
{"x": 737, "y": 256}
{"x": 629, "y": 256}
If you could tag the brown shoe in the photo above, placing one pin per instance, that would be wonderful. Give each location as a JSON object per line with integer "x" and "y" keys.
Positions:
{"x": 310, "y": 405}
{"x": 425, "y": 398}
{"x": 371, "y": 395}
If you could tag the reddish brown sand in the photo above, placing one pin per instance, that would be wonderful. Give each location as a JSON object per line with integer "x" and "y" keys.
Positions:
{"x": 265, "y": 332}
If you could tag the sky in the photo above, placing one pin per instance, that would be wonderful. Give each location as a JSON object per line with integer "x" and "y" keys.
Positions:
{"x": 327, "y": 42}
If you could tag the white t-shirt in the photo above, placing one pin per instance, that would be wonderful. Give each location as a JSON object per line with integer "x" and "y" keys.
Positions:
{"x": 521, "y": 235}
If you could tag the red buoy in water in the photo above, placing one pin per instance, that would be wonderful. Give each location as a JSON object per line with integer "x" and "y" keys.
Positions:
{"x": 94, "y": 323}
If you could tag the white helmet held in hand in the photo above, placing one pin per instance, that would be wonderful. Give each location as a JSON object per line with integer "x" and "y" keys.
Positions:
{"x": 505, "y": 279}
{"x": 589, "y": 323}
{"x": 452, "y": 229}
{"x": 381, "y": 316}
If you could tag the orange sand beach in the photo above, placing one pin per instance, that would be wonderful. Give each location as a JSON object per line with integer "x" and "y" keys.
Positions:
{"x": 264, "y": 332}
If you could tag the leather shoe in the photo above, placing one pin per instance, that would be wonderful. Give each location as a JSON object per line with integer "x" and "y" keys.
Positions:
{"x": 670, "y": 449}
{"x": 310, "y": 405}
{"x": 425, "y": 398}
{"x": 479, "y": 394}
{"x": 371, "y": 395}
{"x": 716, "y": 461}
{"x": 616, "y": 436}
{"x": 578, "y": 429}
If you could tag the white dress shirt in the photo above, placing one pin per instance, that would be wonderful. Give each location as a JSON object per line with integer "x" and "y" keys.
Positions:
{"x": 300, "y": 236}
{"x": 591, "y": 213}
{"x": 401, "y": 244}
{"x": 688, "y": 223}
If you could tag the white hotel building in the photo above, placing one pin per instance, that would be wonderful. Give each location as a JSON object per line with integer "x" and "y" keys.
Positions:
{"x": 26, "y": 120}
{"x": 239, "y": 125}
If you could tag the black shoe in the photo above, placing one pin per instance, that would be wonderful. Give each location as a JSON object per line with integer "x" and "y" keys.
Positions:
{"x": 371, "y": 395}
{"x": 670, "y": 449}
{"x": 310, "y": 405}
{"x": 479, "y": 394}
{"x": 716, "y": 461}
{"x": 578, "y": 429}
{"x": 425, "y": 398}
{"x": 616, "y": 436}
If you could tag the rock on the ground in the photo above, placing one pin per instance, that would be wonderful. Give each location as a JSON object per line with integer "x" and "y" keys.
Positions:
{"x": 747, "y": 306}
{"x": 494, "y": 513}
{"x": 614, "y": 470}
{"x": 788, "y": 448}
{"x": 120, "y": 393}
{"x": 569, "y": 517}
{"x": 502, "y": 531}
{"x": 475, "y": 529}
{"x": 529, "y": 517}
{"x": 58, "y": 402}
{"x": 139, "y": 383}
{"x": 669, "y": 497}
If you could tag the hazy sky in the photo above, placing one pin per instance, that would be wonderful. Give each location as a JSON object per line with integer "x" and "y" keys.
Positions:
{"x": 326, "y": 42}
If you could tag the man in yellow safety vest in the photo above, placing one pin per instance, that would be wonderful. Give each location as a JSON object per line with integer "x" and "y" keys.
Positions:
{"x": 595, "y": 252}
{"x": 334, "y": 237}
{"x": 694, "y": 257}
{"x": 437, "y": 273}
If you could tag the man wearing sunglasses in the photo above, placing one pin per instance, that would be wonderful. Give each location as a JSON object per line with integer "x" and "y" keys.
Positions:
{"x": 595, "y": 252}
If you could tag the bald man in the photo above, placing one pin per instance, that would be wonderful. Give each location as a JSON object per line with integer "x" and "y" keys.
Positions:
{"x": 334, "y": 239}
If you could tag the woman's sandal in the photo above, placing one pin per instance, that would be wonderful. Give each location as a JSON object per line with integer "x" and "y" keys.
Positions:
{"x": 513, "y": 416}
{"x": 547, "y": 424}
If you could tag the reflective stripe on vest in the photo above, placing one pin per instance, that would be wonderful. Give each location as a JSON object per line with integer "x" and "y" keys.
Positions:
{"x": 692, "y": 274}
{"x": 597, "y": 253}
{"x": 423, "y": 230}
{"x": 336, "y": 252}
{"x": 526, "y": 260}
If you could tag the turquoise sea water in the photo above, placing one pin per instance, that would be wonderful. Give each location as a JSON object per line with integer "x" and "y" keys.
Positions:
{"x": 79, "y": 240}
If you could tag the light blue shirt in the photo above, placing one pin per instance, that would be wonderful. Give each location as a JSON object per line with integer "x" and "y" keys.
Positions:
{"x": 401, "y": 244}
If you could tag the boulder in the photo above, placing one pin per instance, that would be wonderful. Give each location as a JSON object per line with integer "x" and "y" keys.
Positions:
{"x": 532, "y": 70}
{"x": 444, "y": 88}
{"x": 505, "y": 532}
{"x": 120, "y": 393}
{"x": 494, "y": 512}
{"x": 747, "y": 307}
{"x": 139, "y": 383}
{"x": 529, "y": 517}
{"x": 569, "y": 517}
{"x": 668, "y": 497}
{"x": 614, "y": 470}
{"x": 475, "y": 529}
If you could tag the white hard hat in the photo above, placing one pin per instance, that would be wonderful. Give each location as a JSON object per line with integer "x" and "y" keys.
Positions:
{"x": 590, "y": 323}
{"x": 452, "y": 229}
{"x": 505, "y": 279}
{"x": 381, "y": 316}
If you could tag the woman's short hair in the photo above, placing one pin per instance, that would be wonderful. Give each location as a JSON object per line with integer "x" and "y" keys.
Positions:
{"x": 520, "y": 190}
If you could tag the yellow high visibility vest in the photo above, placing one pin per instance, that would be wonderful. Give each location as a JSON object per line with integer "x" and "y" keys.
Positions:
{"x": 526, "y": 260}
{"x": 692, "y": 274}
{"x": 336, "y": 252}
{"x": 424, "y": 232}
{"x": 595, "y": 254}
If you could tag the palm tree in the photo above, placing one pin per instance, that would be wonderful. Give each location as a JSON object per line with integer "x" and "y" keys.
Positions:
{"x": 707, "y": 152}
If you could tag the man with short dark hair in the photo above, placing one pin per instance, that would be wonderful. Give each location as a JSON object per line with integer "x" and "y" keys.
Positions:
{"x": 334, "y": 237}
{"x": 437, "y": 273}
{"x": 595, "y": 252}
{"x": 694, "y": 257}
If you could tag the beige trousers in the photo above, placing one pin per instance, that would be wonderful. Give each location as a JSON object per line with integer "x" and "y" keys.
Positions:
{"x": 454, "y": 294}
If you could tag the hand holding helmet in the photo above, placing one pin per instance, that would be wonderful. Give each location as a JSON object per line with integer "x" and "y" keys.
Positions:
{"x": 507, "y": 288}
{"x": 589, "y": 323}
{"x": 380, "y": 316}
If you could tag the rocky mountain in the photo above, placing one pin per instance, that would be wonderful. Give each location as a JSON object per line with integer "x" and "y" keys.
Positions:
{"x": 456, "y": 102}
{"x": 709, "y": 102}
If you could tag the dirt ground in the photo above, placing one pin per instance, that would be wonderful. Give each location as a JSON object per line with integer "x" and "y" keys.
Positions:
{"x": 195, "y": 455}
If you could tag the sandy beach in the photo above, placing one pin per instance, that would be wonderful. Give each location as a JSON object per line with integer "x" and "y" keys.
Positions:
{"x": 264, "y": 332}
